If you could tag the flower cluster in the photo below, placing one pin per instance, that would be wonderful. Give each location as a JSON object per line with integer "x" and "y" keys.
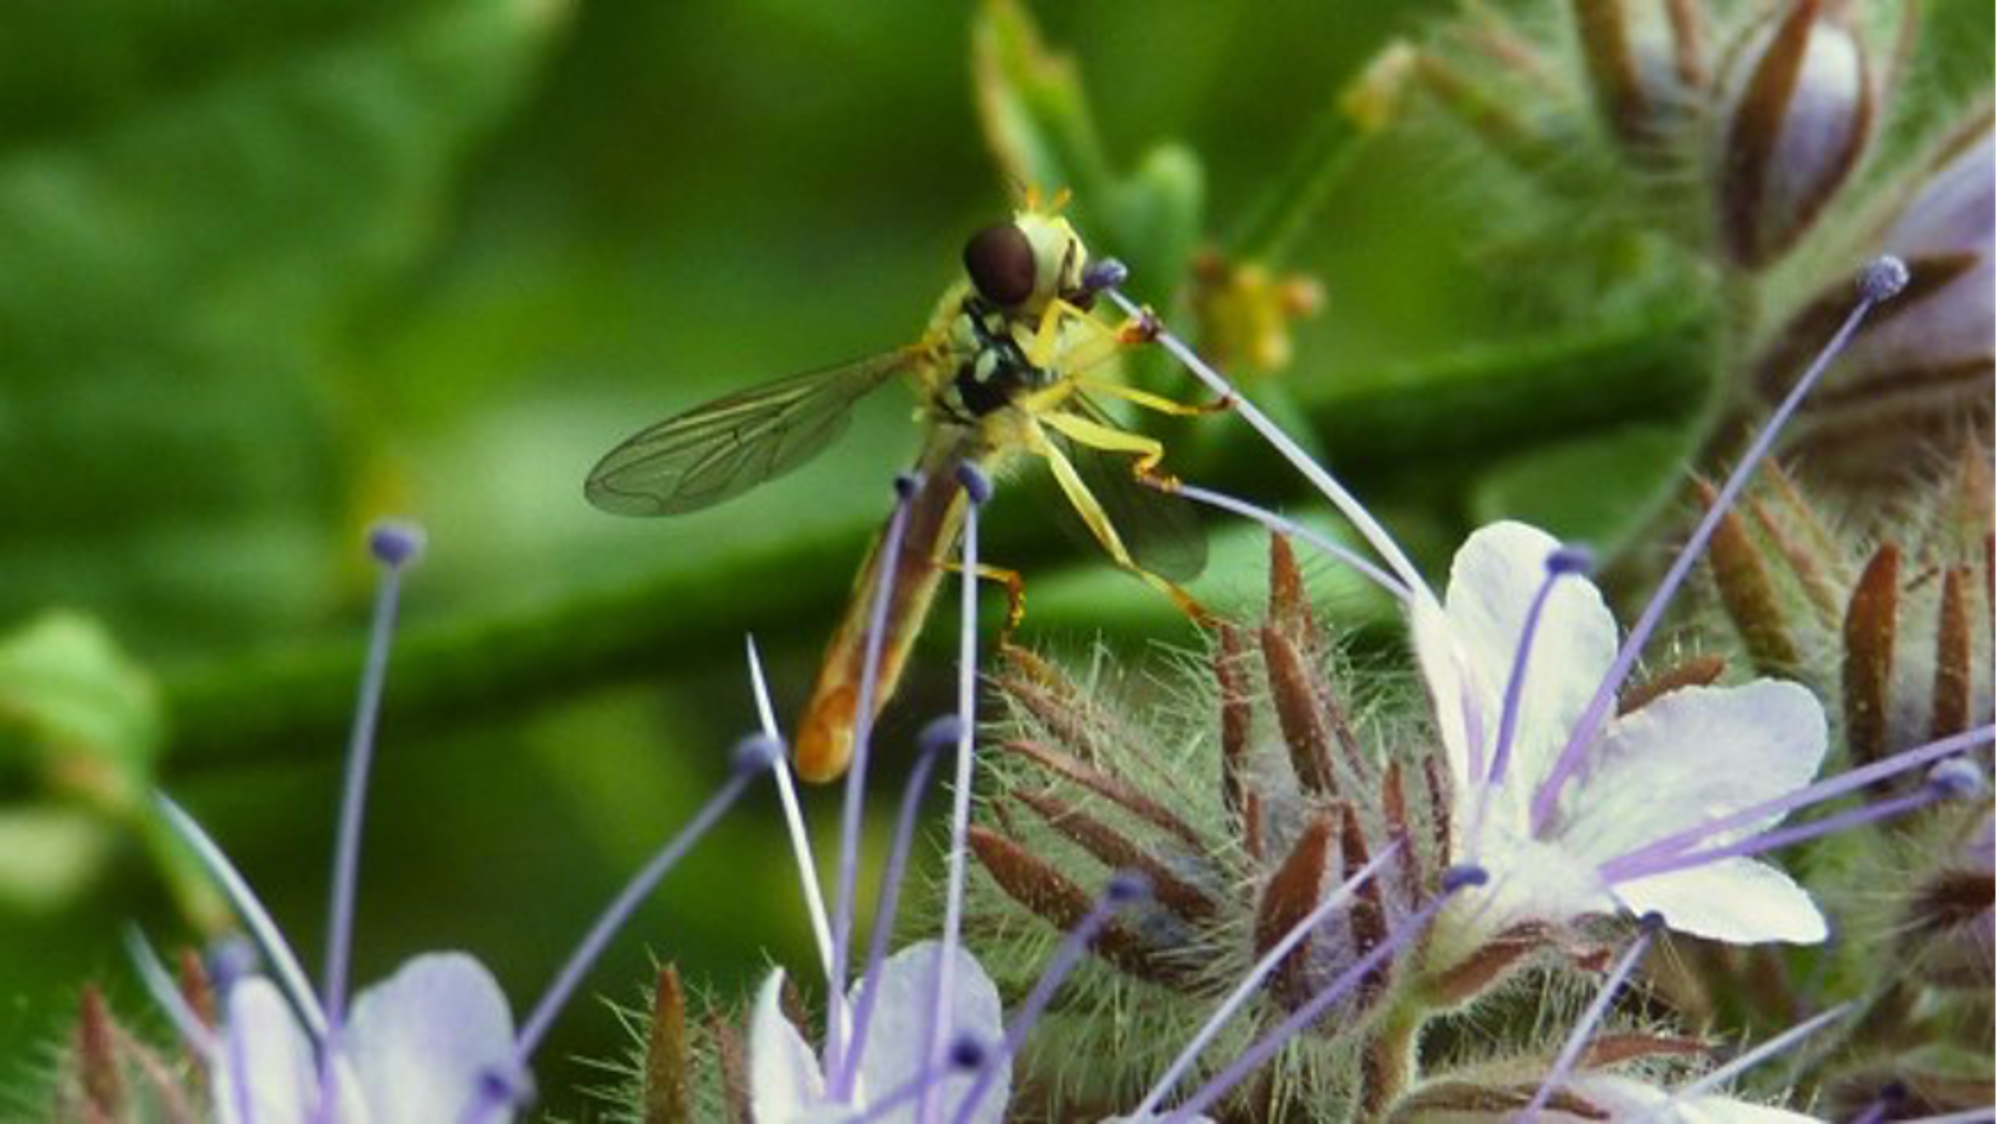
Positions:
{"x": 1749, "y": 150}
{"x": 1308, "y": 892}
{"x": 436, "y": 1041}
{"x": 1578, "y": 790}
{"x": 1523, "y": 865}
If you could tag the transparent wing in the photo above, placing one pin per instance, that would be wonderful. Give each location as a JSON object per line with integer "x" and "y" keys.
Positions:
{"x": 721, "y": 450}
{"x": 1163, "y": 532}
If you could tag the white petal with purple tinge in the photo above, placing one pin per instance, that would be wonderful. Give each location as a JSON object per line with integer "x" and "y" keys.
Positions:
{"x": 1697, "y": 754}
{"x": 894, "y": 1055}
{"x": 1741, "y": 901}
{"x": 785, "y": 1080}
{"x": 420, "y": 1041}
{"x": 268, "y": 1072}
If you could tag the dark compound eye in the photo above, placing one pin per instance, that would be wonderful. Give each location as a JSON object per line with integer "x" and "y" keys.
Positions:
{"x": 1001, "y": 263}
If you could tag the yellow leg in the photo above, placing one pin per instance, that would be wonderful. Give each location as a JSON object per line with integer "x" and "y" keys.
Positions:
{"x": 1148, "y": 400}
{"x": 1011, "y": 582}
{"x": 1145, "y": 450}
{"x": 1101, "y": 343}
{"x": 1045, "y": 401}
{"x": 1086, "y": 505}
{"x": 1041, "y": 346}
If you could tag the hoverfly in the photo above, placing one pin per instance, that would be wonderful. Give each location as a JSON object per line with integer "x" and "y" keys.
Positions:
{"x": 1005, "y": 371}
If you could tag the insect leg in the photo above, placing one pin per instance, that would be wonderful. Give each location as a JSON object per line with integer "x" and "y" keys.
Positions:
{"x": 1011, "y": 582}
{"x": 1102, "y": 343}
{"x": 1079, "y": 495}
{"x": 1150, "y": 401}
{"x": 1146, "y": 451}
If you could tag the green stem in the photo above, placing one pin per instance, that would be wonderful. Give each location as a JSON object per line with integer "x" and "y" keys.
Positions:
{"x": 296, "y": 703}
{"x": 1388, "y": 1059}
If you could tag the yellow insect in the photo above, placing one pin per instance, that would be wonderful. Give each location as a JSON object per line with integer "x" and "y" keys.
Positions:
{"x": 1005, "y": 372}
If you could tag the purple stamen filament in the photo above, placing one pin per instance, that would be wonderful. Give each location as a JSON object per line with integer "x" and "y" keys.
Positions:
{"x": 1584, "y": 733}
{"x": 1517, "y": 677}
{"x": 1267, "y": 1047}
{"x": 1297, "y": 530}
{"x": 1377, "y": 537}
{"x": 1784, "y": 837}
{"x": 1878, "y": 1109}
{"x": 857, "y": 777}
{"x": 1474, "y": 719}
{"x": 842, "y": 1087}
{"x": 1646, "y": 857}
{"x": 347, "y": 844}
{"x": 1764, "y": 1052}
{"x": 1068, "y": 954}
{"x": 291, "y": 977}
{"x": 749, "y": 759}
{"x": 1510, "y": 698}
{"x": 795, "y": 824}
{"x": 160, "y": 985}
{"x": 978, "y": 490}
{"x": 1255, "y": 979}
{"x": 1579, "y": 1037}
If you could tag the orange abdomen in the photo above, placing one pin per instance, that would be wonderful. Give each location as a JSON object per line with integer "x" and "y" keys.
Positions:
{"x": 825, "y": 742}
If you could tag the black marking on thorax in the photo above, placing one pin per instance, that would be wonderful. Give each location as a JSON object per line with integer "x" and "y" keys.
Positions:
{"x": 997, "y": 372}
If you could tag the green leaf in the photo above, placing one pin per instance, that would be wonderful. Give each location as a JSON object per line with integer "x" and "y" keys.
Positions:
{"x": 1153, "y": 218}
{"x": 1033, "y": 108}
{"x": 182, "y": 251}
{"x": 1601, "y": 489}
{"x": 1037, "y": 120}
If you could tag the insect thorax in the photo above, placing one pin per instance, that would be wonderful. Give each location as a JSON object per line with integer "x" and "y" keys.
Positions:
{"x": 985, "y": 366}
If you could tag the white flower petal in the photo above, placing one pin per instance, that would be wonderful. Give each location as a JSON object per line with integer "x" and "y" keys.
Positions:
{"x": 785, "y": 1081}
{"x": 1693, "y": 755}
{"x": 894, "y": 1054}
{"x": 1729, "y": 1110}
{"x": 420, "y": 1041}
{"x": 1631, "y": 1100}
{"x": 1442, "y": 665}
{"x": 1741, "y": 901}
{"x": 267, "y": 1072}
{"x": 1528, "y": 880}
{"x": 1494, "y": 579}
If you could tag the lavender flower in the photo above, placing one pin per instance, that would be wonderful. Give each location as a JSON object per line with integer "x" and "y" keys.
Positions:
{"x": 436, "y": 1041}
{"x": 1646, "y": 68}
{"x": 1580, "y": 809}
{"x": 1678, "y": 760}
{"x": 787, "y": 1085}
{"x": 913, "y": 1030}
{"x": 1923, "y": 370}
{"x": 1798, "y": 104}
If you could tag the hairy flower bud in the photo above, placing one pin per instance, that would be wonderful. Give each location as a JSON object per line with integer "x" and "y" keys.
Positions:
{"x": 1922, "y": 372}
{"x": 1645, "y": 64}
{"x": 1298, "y": 805}
{"x": 1797, "y": 103}
{"x": 1947, "y": 927}
{"x": 1883, "y": 619}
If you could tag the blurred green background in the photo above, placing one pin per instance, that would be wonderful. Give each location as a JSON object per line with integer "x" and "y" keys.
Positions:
{"x": 270, "y": 271}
